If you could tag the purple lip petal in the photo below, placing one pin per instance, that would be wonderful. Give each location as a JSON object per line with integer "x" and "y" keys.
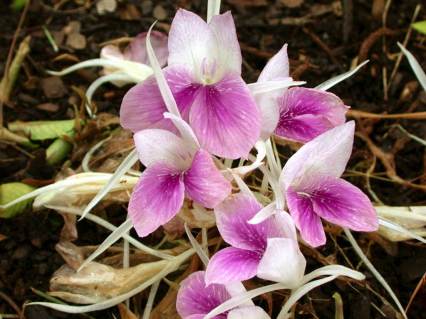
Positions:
{"x": 277, "y": 67}
{"x": 225, "y": 118}
{"x": 195, "y": 298}
{"x": 342, "y": 203}
{"x": 306, "y": 113}
{"x": 325, "y": 155}
{"x": 136, "y": 50}
{"x": 154, "y": 145}
{"x": 156, "y": 199}
{"x": 282, "y": 262}
{"x": 143, "y": 107}
{"x": 232, "y": 217}
{"x": 204, "y": 183}
{"x": 306, "y": 220}
{"x": 232, "y": 265}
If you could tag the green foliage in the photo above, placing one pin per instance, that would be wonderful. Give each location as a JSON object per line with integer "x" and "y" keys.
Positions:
{"x": 420, "y": 26}
{"x": 18, "y": 4}
{"x": 10, "y": 192}
{"x": 43, "y": 130}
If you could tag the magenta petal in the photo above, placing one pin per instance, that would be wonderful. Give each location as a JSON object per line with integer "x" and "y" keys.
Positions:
{"x": 306, "y": 113}
{"x": 204, "y": 183}
{"x": 136, "y": 50}
{"x": 195, "y": 298}
{"x": 232, "y": 218}
{"x": 232, "y": 265}
{"x": 156, "y": 198}
{"x": 225, "y": 118}
{"x": 143, "y": 107}
{"x": 308, "y": 223}
{"x": 343, "y": 204}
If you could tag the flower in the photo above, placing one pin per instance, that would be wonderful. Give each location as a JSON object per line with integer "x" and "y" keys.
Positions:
{"x": 268, "y": 249}
{"x": 296, "y": 113}
{"x": 174, "y": 167}
{"x": 313, "y": 188}
{"x": 195, "y": 300}
{"x": 204, "y": 75}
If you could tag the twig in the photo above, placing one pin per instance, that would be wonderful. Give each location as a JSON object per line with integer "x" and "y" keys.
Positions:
{"x": 322, "y": 45}
{"x": 371, "y": 40}
{"x": 405, "y": 116}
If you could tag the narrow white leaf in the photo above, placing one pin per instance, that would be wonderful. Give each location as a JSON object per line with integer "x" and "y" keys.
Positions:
{"x": 339, "y": 78}
{"x": 164, "y": 88}
{"x": 102, "y": 222}
{"x": 333, "y": 270}
{"x": 127, "y": 163}
{"x": 213, "y": 8}
{"x": 395, "y": 227}
{"x": 374, "y": 271}
{"x": 108, "y": 242}
{"x": 299, "y": 293}
{"x": 261, "y": 153}
{"x": 269, "y": 86}
{"x": 150, "y": 301}
{"x": 197, "y": 247}
{"x": 184, "y": 129}
{"x": 264, "y": 214}
{"x": 87, "y": 64}
{"x": 415, "y": 65}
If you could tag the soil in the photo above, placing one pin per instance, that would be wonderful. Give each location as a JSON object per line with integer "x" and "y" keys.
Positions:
{"x": 320, "y": 46}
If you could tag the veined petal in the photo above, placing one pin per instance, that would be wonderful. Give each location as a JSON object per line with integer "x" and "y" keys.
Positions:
{"x": 306, "y": 220}
{"x": 204, "y": 183}
{"x": 342, "y": 203}
{"x": 232, "y": 265}
{"x": 232, "y": 218}
{"x": 190, "y": 40}
{"x": 277, "y": 67}
{"x": 155, "y": 145}
{"x": 282, "y": 262}
{"x": 196, "y": 298}
{"x": 111, "y": 52}
{"x": 229, "y": 52}
{"x": 136, "y": 50}
{"x": 156, "y": 198}
{"x": 306, "y": 113}
{"x": 225, "y": 118}
{"x": 270, "y": 111}
{"x": 143, "y": 107}
{"x": 327, "y": 155}
{"x": 251, "y": 312}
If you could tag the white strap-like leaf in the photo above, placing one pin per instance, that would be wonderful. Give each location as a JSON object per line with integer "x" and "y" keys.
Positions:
{"x": 213, "y": 8}
{"x": 339, "y": 78}
{"x": 415, "y": 65}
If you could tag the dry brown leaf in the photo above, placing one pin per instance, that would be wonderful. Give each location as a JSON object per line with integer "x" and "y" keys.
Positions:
{"x": 125, "y": 313}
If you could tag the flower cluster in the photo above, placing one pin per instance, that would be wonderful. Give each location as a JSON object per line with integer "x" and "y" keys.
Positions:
{"x": 218, "y": 115}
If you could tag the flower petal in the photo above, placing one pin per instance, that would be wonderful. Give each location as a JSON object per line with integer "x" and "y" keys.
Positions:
{"x": 277, "y": 67}
{"x": 326, "y": 155}
{"x": 232, "y": 218}
{"x": 136, "y": 50}
{"x": 190, "y": 40}
{"x": 306, "y": 113}
{"x": 342, "y": 203}
{"x": 309, "y": 223}
{"x": 156, "y": 198}
{"x": 204, "y": 183}
{"x": 155, "y": 145}
{"x": 143, "y": 107}
{"x": 252, "y": 312}
{"x": 195, "y": 298}
{"x": 225, "y": 118}
{"x": 232, "y": 265}
{"x": 229, "y": 52}
{"x": 282, "y": 262}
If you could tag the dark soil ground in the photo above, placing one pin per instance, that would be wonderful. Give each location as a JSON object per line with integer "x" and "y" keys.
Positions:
{"x": 323, "y": 36}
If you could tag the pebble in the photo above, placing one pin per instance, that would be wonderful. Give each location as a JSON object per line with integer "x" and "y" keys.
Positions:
{"x": 146, "y": 6}
{"x": 53, "y": 87}
{"x": 160, "y": 13}
{"x": 48, "y": 107}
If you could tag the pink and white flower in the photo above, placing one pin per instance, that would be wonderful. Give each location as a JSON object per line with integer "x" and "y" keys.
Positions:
{"x": 204, "y": 75}
{"x": 296, "y": 113}
{"x": 268, "y": 249}
{"x": 313, "y": 188}
{"x": 175, "y": 168}
{"x": 195, "y": 300}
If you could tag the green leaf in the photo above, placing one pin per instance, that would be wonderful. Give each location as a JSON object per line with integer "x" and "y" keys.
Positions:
{"x": 420, "y": 26}
{"x": 43, "y": 130}
{"x": 18, "y": 4}
{"x": 57, "y": 151}
{"x": 10, "y": 192}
